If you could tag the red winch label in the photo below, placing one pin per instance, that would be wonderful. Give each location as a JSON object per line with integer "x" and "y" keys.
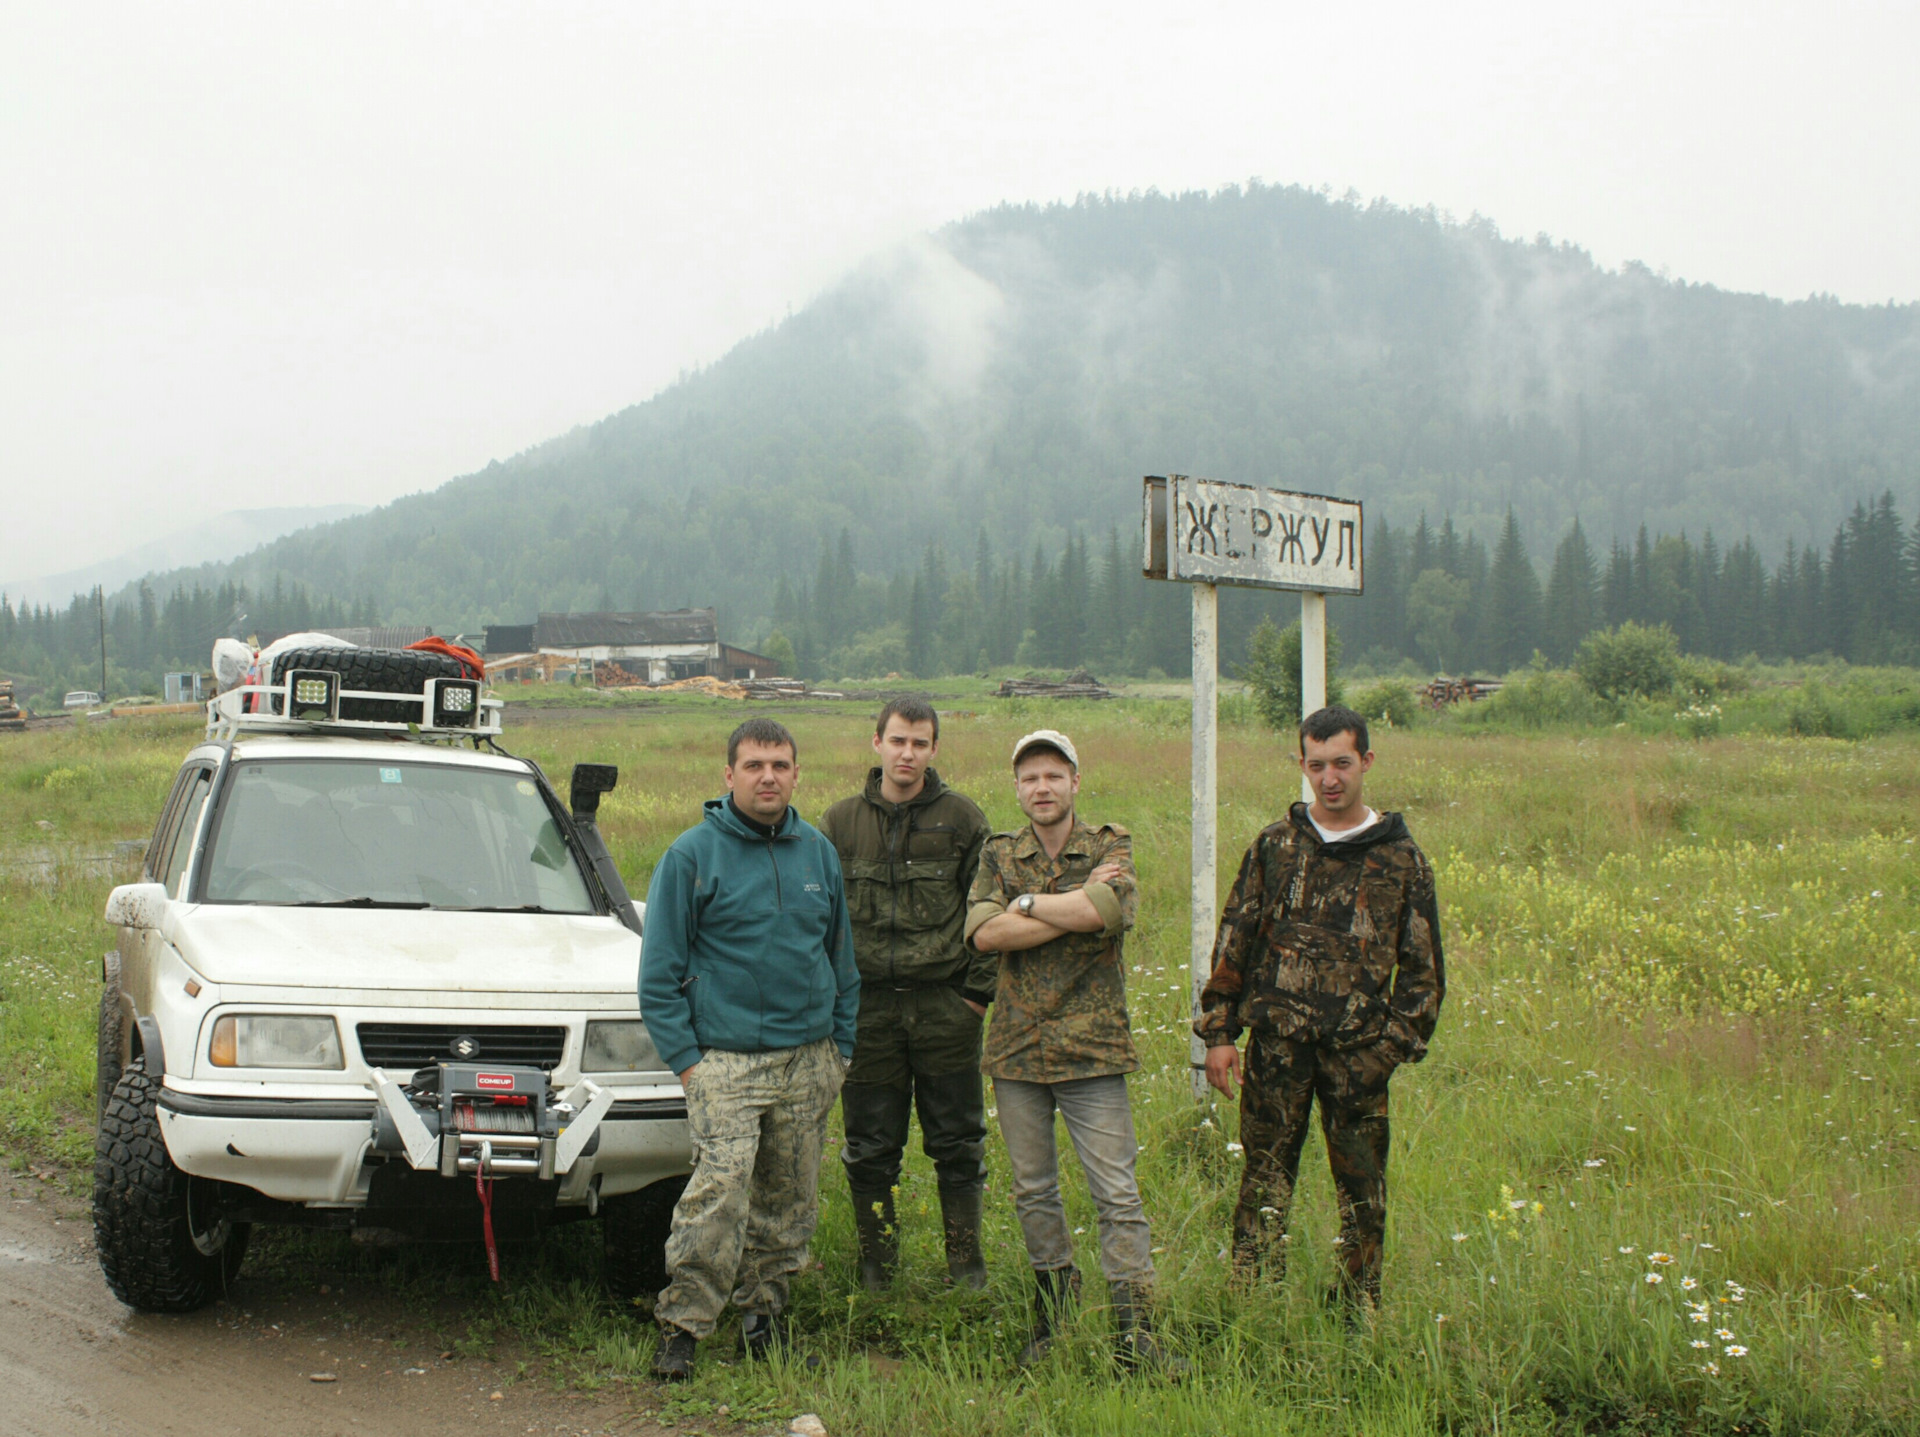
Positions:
{"x": 493, "y": 1080}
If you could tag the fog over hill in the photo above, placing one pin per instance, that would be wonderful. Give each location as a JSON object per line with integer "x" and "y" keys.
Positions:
{"x": 1019, "y": 371}
{"x": 208, "y": 539}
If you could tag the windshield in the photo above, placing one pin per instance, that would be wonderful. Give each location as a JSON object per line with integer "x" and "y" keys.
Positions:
{"x": 355, "y": 833}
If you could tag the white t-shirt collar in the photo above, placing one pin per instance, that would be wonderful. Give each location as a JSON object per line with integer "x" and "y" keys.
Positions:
{"x": 1341, "y": 835}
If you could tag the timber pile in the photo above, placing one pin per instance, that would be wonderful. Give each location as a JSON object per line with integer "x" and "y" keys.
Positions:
{"x": 1081, "y": 685}
{"x": 610, "y": 675}
{"x": 10, "y": 715}
{"x": 1444, "y": 691}
{"x": 775, "y": 688}
{"x": 701, "y": 684}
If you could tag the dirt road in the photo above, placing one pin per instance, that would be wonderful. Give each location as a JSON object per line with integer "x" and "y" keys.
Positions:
{"x": 75, "y": 1363}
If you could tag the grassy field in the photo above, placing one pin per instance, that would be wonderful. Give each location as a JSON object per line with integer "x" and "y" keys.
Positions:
{"x": 1660, "y": 1173}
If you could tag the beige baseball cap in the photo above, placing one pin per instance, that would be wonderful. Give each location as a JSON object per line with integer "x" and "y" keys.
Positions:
{"x": 1047, "y": 738}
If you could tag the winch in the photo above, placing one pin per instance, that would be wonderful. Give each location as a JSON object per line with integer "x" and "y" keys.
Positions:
{"x": 490, "y": 1120}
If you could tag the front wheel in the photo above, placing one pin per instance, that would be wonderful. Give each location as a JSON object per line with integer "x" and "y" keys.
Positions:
{"x": 163, "y": 1245}
{"x": 634, "y": 1228}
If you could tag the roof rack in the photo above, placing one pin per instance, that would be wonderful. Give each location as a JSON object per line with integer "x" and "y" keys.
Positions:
{"x": 311, "y": 701}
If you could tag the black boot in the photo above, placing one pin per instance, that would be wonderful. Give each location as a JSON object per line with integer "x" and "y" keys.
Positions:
{"x": 873, "y": 1222}
{"x": 674, "y": 1360}
{"x": 1054, "y": 1293}
{"x": 762, "y": 1334}
{"x": 960, "y": 1214}
{"x": 1135, "y": 1346}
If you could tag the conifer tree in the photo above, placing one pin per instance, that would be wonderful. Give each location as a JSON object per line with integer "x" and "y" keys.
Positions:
{"x": 1572, "y": 600}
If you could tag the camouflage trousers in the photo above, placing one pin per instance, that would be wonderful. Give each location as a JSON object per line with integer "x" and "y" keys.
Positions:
{"x": 757, "y": 1122}
{"x": 1283, "y": 1079}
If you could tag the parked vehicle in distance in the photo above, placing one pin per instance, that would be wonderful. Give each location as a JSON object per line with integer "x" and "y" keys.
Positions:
{"x": 377, "y": 976}
{"x": 81, "y": 699}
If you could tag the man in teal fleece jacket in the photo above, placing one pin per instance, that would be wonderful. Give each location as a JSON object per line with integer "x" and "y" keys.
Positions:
{"x": 750, "y": 993}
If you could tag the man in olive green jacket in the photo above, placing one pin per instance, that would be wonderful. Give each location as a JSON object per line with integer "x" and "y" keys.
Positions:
{"x": 908, "y": 847}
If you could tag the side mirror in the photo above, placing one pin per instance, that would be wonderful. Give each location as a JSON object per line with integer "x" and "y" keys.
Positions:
{"x": 590, "y": 780}
{"x": 137, "y": 905}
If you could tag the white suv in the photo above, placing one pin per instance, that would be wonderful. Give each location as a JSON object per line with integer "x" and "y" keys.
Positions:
{"x": 374, "y": 979}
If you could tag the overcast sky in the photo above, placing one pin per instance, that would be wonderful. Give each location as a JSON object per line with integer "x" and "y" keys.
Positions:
{"x": 257, "y": 255}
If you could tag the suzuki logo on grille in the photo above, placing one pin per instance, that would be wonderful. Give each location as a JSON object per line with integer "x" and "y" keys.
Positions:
{"x": 466, "y": 1047}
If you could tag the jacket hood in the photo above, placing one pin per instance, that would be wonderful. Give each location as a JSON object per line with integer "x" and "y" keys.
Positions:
{"x": 720, "y": 814}
{"x": 929, "y": 791}
{"x": 1390, "y": 828}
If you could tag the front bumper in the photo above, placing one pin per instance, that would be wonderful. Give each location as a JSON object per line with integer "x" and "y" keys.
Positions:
{"x": 319, "y": 1151}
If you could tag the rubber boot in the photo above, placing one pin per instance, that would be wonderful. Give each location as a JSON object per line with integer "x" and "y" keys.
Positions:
{"x": 873, "y": 1222}
{"x": 960, "y": 1216}
{"x": 1135, "y": 1346}
{"x": 1055, "y": 1291}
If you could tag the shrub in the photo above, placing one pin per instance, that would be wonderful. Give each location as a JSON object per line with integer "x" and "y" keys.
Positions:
{"x": 1711, "y": 679}
{"x": 1272, "y": 672}
{"x": 1542, "y": 698}
{"x": 1389, "y": 701}
{"x": 1632, "y": 661}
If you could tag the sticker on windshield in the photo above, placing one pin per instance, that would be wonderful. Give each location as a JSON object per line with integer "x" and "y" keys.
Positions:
{"x": 524, "y": 789}
{"x": 390, "y": 775}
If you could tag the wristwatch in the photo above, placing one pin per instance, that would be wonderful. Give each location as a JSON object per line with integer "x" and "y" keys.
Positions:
{"x": 1025, "y": 904}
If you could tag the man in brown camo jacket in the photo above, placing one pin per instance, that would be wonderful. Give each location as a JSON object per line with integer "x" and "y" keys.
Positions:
{"x": 1329, "y": 951}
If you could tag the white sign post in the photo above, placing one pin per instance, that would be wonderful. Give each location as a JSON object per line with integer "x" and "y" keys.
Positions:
{"x": 1206, "y": 533}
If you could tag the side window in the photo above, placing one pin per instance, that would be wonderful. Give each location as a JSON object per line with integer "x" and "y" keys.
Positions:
{"x": 191, "y": 803}
{"x": 169, "y": 821}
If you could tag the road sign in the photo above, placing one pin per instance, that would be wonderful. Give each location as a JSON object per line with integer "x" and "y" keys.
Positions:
{"x": 1206, "y": 531}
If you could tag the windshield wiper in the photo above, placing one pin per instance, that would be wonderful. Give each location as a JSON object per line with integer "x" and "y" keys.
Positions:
{"x": 363, "y": 903}
{"x": 516, "y": 908}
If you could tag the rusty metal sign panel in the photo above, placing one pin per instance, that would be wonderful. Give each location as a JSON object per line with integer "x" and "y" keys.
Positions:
{"x": 1209, "y": 532}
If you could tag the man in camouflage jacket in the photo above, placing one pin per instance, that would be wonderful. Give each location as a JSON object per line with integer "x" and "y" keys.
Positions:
{"x": 1329, "y": 951}
{"x": 908, "y": 847}
{"x": 1054, "y": 901}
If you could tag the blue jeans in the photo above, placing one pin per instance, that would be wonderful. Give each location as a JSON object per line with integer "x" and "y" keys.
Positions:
{"x": 1100, "y": 1122}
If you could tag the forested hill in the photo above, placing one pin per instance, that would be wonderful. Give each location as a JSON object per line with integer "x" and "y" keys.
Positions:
{"x": 1017, "y": 372}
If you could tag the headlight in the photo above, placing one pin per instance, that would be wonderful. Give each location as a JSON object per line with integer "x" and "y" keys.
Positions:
{"x": 271, "y": 1040}
{"x": 619, "y": 1048}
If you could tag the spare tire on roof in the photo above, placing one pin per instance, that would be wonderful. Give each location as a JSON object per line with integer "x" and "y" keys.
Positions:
{"x": 383, "y": 671}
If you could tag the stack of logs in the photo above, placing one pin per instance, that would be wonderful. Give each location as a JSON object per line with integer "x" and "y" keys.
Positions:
{"x": 1444, "y": 691}
{"x": 10, "y": 715}
{"x": 1081, "y": 685}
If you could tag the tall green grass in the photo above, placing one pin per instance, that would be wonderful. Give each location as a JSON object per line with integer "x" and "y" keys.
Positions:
{"x": 1683, "y": 1010}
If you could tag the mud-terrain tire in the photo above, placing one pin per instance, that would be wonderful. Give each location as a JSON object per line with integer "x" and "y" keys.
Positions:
{"x": 634, "y": 1228}
{"x": 106, "y": 1052}
{"x": 380, "y": 671}
{"x": 156, "y": 1253}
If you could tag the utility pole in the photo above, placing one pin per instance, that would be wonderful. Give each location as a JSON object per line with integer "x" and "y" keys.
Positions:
{"x": 100, "y": 594}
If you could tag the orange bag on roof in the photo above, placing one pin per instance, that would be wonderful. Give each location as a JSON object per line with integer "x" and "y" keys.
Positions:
{"x": 471, "y": 662}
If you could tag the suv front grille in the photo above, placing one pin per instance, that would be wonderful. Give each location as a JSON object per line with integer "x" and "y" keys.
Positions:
{"x": 404, "y": 1047}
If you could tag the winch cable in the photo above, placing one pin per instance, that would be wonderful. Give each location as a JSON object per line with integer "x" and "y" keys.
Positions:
{"x": 484, "y": 1186}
